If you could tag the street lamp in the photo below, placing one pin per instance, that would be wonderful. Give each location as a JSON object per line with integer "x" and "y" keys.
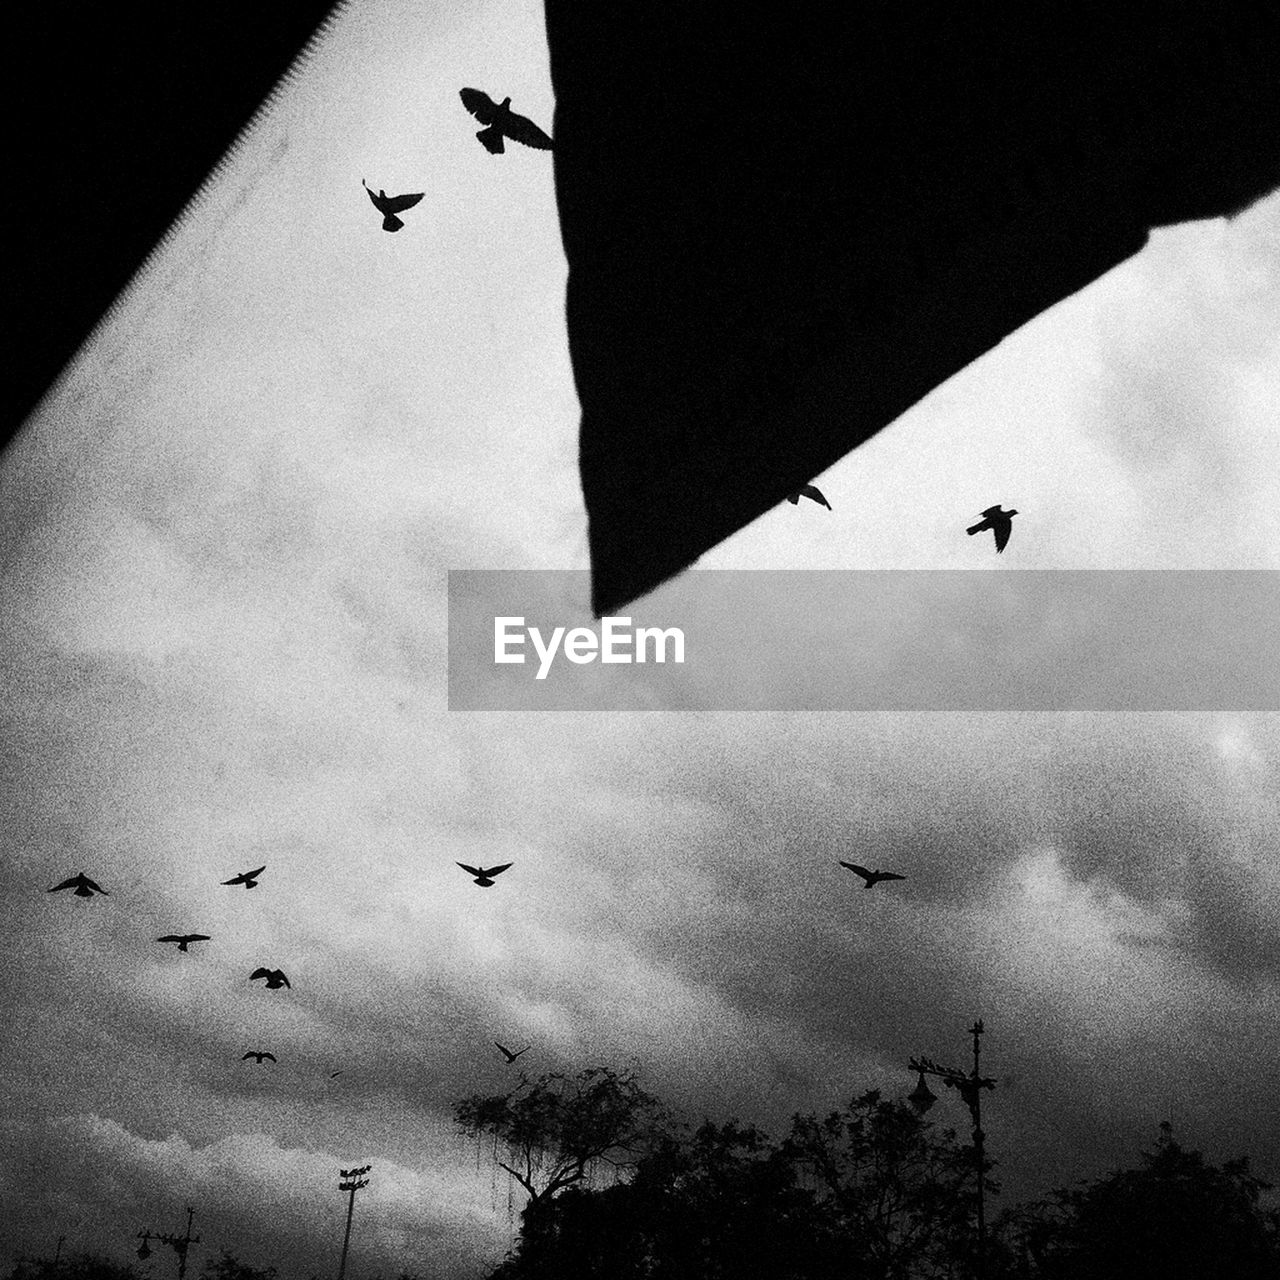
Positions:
{"x": 970, "y": 1086}
{"x": 179, "y": 1244}
{"x": 352, "y": 1181}
{"x": 922, "y": 1097}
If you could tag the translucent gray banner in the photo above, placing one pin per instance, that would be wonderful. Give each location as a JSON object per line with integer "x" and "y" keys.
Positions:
{"x": 871, "y": 640}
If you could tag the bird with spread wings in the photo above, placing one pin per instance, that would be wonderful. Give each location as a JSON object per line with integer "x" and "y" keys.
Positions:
{"x": 484, "y": 875}
{"x": 999, "y": 521}
{"x": 871, "y": 877}
{"x": 511, "y": 1057}
{"x": 184, "y": 940}
{"x": 258, "y": 1055}
{"x": 810, "y": 491}
{"x": 389, "y": 206}
{"x": 84, "y": 887}
{"x": 502, "y": 123}
{"x": 247, "y": 878}
{"x": 275, "y": 977}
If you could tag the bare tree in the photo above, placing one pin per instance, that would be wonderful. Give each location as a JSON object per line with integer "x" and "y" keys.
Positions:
{"x": 557, "y": 1129}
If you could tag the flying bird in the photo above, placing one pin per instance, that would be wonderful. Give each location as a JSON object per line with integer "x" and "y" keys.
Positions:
{"x": 871, "y": 877}
{"x": 810, "y": 491}
{"x": 84, "y": 887}
{"x": 483, "y": 874}
{"x": 247, "y": 878}
{"x": 389, "y": 206}
{"x": 333, "y": 1075}
{"x": 184, "y": 939}
{"x": 275, "y": 978}
{"x": 254, "y": 1053}
{"x": 502, "y": 122}
{"x": 511, "y": 1057}
{"x": 999, "y": 522}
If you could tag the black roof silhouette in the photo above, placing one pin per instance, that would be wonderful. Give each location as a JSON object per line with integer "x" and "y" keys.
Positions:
{"x": 786, "y": 228}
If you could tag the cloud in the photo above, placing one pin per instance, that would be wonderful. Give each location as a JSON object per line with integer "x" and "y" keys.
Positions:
{"x": 1183, "y": 396}
{"x": 266, "y": 1202}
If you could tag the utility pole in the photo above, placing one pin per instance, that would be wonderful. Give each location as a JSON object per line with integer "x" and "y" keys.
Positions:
{"x": 179, "y": 1244}
{"x": 352, "y": 1181}
{"x": 970, "y": 1086}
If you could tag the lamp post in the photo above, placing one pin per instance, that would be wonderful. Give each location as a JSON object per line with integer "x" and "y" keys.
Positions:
{"x": 179, "y": 1244}
{"x": 970, "y": 1086}
{"x": 352, "y": 1181}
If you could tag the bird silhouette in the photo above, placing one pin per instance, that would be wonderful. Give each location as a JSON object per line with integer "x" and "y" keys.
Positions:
{"x": 999, "y": 522}
{"x": 84, "y": 887}
{"x": 511, "y": 1057}
{"x": 483, "y": 874}
{"x": 389, "y": 206}
{"x": 333, "y": 1075}
{"x": 254, "y": 1053}
{"x": 184, "y": 939}
{"x": 810, "y": 491}
{"x": 247, "y": 878}
{"x": 871, "y": 877}
{"x": 275, "y": 978}
{"x": 502, "y": 122}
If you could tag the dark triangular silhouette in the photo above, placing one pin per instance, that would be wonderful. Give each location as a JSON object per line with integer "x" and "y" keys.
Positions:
{"x": 784, "y": 230}
{"x": 158, "y": 92}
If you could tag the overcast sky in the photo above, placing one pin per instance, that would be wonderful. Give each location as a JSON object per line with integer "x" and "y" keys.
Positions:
{"x": 225, "y": 540}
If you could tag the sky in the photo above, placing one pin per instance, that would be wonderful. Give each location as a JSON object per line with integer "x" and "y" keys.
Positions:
{"x": 224, "y": 540}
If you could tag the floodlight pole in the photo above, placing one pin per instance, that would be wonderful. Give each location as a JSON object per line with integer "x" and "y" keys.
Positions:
{"x": 352, "y": 1182}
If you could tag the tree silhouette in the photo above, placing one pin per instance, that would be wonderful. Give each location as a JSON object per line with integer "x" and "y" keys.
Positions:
{"x": 900, "y": 1193}
{"x": 1175, "y": 1217}
{"x": 871, "y": 1192}
{"x": 83, "y": 1266}
{"x": 229, "y": 1267}
{"x": 717, "y": 1203}
{"x": 557, "y": 1129}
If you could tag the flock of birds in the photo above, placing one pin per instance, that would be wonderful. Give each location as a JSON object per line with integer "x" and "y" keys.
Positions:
{"x": 500, "y": 123}
{"x": 84, "y": 887}
{"x": 275, "y": 979}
